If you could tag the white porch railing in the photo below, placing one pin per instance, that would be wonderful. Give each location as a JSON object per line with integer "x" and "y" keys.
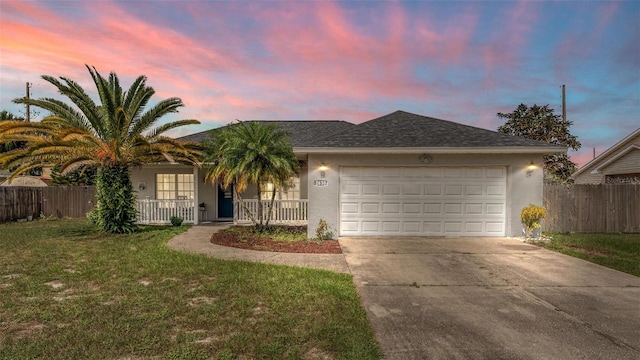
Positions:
{"x": 161, "y": 211}
{"x": 283, "y": 211}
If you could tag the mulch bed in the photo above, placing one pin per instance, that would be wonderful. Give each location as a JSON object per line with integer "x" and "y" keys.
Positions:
{"x": 248, "y": 240}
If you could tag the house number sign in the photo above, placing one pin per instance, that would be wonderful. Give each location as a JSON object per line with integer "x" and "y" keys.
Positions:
{"x": 321, "y": 183}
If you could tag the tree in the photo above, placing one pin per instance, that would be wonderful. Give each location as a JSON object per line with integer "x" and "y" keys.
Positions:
{"x": 540, "y": 123}
{"x": 112, "y": 136}
{"x": 251, "y": 153}
{"x": 10, "y": 145}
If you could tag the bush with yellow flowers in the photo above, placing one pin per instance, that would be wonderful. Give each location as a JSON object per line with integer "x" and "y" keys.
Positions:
{"x": 531, "y": 217}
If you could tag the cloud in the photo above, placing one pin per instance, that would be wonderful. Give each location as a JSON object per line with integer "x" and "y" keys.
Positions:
{"x": 460, "y": 61}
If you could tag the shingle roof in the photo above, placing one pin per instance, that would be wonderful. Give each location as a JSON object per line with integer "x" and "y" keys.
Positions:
{"x": 302, "y": 132}
{"x": 403, "y": 129}
{"x": 399, "y": 129}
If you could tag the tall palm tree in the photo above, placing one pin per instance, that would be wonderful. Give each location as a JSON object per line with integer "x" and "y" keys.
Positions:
{"x": 112, "y": 135}
{"x": 251, "y": 153}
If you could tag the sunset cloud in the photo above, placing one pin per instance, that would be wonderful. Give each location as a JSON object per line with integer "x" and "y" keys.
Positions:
{"x": 354, "y": 61}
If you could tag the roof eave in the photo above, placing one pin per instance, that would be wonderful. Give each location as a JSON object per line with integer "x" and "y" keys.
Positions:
{"x": 605, "y": 154}
{"x": 433, "y": 150}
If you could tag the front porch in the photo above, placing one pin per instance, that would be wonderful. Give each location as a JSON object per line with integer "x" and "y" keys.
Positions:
{"x": 160, "y": 211}
{"x": 283, "y": 211}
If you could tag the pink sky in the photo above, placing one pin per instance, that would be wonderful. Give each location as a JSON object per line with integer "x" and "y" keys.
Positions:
{"x": 354, "y": 61}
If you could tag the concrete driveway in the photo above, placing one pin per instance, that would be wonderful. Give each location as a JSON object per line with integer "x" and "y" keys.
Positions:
{"x": 466, "y": 298}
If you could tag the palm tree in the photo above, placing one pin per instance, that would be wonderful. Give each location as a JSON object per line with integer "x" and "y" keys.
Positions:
{"x": 10, "y": 145}
{"x": 113, "y": 135}
{"x": 251, "y": 153}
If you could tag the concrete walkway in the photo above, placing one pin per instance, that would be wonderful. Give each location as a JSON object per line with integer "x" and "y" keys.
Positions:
{"x": 197, "y": 240}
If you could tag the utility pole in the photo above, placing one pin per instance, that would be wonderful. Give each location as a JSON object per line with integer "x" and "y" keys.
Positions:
{"x": 27, "y": 116}
{"x": 564, "y": 105}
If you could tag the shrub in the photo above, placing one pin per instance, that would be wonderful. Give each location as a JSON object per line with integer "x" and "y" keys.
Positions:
{"x": 323, "y": 232}
{"x": 176, "y": 220}
{"x": 531, "y": 217}
{"x": 93, "y": 216}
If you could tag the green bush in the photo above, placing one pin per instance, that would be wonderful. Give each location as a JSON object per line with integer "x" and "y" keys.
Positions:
{"x": 176, "y": 220}
{"x": 94, "y": 217}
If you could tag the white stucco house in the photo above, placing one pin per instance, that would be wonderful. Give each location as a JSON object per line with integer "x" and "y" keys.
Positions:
{"x": 401, "y": 174}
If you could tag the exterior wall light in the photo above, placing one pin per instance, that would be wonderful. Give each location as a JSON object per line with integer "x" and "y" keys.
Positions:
{"x": 323, "y": 168}
{"x": 530, "y": 169}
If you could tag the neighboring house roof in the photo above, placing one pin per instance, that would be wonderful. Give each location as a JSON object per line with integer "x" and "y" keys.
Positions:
{"x": 399, "y": 129}
{"x": 618, "y": 150}
{"x": 33, "y": 181}
{"x": 302, "y": 132}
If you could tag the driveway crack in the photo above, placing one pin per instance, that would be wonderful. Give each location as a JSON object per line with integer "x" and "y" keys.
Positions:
{"x": 529, "y": 295}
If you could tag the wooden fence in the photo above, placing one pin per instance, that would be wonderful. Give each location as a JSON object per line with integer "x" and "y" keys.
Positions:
{"x": 610, "y": 208}
{"x": 59, "y": 201}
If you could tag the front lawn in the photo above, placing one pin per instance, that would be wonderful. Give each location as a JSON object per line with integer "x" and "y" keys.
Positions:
{"x": 68, "y": 291}
{"x": 616, "y": 251}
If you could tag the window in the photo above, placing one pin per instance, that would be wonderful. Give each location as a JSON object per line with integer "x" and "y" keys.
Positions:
{"x": 174, "y": 187}
{"x": 289, "y": 192}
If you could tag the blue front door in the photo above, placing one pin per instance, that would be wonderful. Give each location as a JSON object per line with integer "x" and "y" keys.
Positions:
{"x": 225, "y": 202}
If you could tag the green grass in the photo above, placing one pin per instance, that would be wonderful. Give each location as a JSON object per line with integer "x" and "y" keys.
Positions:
{"x": 68, "y": 291}
{"x": 616, "y": 251}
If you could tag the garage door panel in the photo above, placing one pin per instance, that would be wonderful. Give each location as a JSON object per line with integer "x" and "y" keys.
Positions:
{"x": 349, "y": 226}
{"x": 473, "y": 227}
{"x": 453, "y": 172}
{"x": 349, "y": 208}
{"x": 411, "y": 190}
{"x": 423, "y": 201}
{"x": 474, "y": 173}
{"x": 391, "y": 208}
{"x": 474, "y": 190}
{"x": 433, "y": 227}
{"x": 473, "y": 209}
{"x": 411, "y": 208}
{"x": 370, "y": 189}
{"x": 433, "y": 172}
{"x": 453, "y": 190}
{"x": 453, "y": 227}
{"x": 350, "y": 189}
{"x": 433, "y": 190}
{"x": 453, "y": 209}
{"x": 371, "y": 226}
{"x": 433, "y": 208}
{"x": 370, "y": 208}
{"x": 412, "y": 227}
{"x": 391, "y": 227}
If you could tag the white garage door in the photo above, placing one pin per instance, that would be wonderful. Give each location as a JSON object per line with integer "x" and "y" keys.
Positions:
{"x": 426, "y": 201}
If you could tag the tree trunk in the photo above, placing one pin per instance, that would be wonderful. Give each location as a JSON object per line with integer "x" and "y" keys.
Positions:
{"x": 246, "y": 209}
{"x": 273, "y": 197}
{"x": 259, "y": 206}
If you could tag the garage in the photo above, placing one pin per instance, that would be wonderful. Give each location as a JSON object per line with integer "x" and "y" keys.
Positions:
{"x": 422, "y": 201}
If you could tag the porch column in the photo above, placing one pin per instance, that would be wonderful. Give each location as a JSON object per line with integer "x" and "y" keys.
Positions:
{"x": 196, "y": 212}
